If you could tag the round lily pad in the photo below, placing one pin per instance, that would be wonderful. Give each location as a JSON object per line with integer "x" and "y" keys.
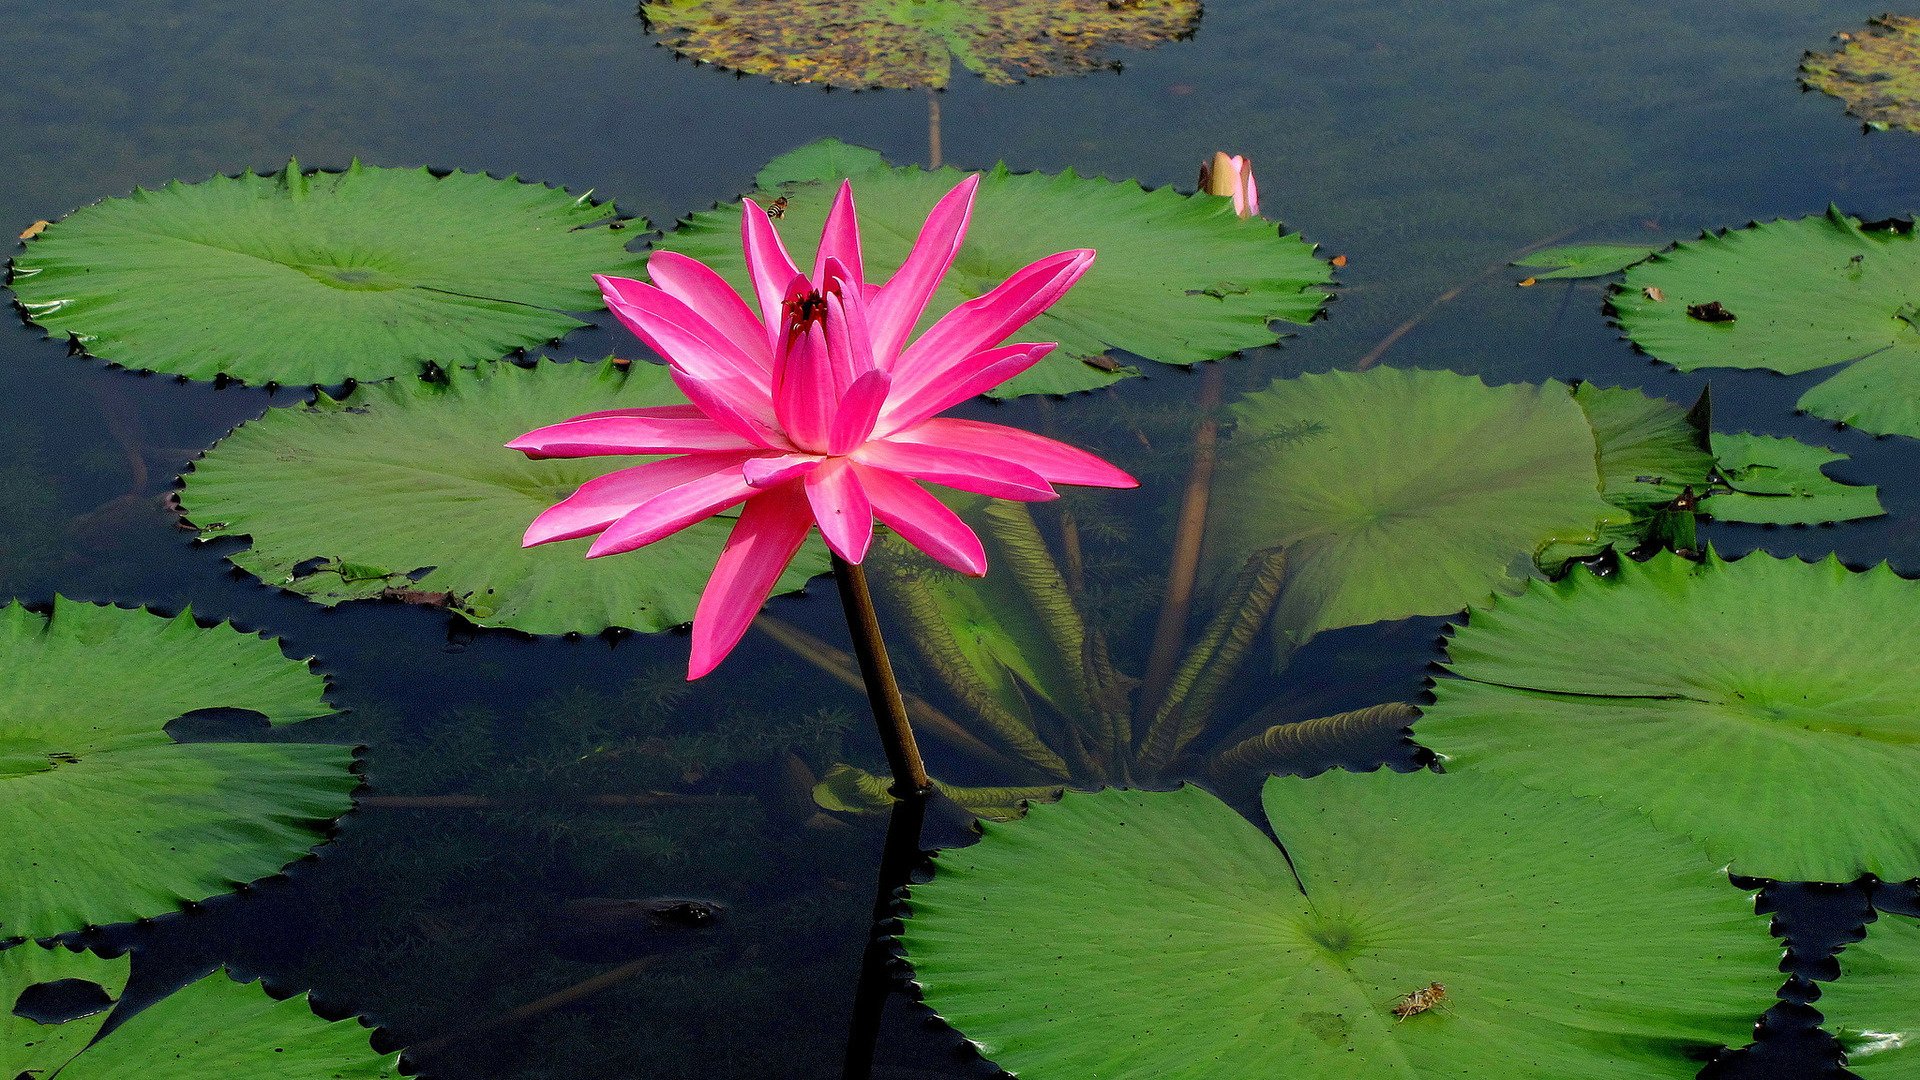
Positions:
{"x": 320, "y": 277}
{"x": 213, "y": 1029}
{"x": 405, "y": 491}
{"x": 1792, "y": 296}
{"x": 1767, "y": 707}
{"x": 873, "y": 43}
{"x": 1874, "y": 1007}
{"x": 1398, "y": 492}
{"x": 1133, "y": 935}
{"x": 1233, "y": 278}
{"x": 1877, "y": 72}
{"x": 107, "y": 817}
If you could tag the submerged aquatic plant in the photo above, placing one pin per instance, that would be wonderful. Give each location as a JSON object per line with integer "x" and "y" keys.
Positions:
{"x": 816, "y": 411}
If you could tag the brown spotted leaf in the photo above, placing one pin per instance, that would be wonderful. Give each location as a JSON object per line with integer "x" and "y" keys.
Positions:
{"x": 914, "y": 43}
{"x": 1877, "y": 72}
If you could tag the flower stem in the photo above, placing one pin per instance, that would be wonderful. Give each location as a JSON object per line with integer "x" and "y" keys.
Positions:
{"x": 910, "y": 778}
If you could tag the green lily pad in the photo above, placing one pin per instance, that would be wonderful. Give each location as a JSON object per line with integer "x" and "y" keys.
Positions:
{"x": 213, "y": 1029}
{"x": 107, "y": 818}
{"x": 403, "y": 490}
{"x": 1232, "y": 280}
{"x": 1398, "y": 492}
{"x": 1874, "y": 1007}
{"x": 1792, "y": 296}
{"x": 1586, "y": 260}
{"x": 1650, "y": 448}
{"x": 1651, "y": 451}
{"x": 1877, "y": 72}
{"x": 1130, "y": 935}
{"x": 1767, "y": 707}
{"x": 321, "y": 277}
{"x": 1780, "y": 482}
{"x": 904, "y": 44}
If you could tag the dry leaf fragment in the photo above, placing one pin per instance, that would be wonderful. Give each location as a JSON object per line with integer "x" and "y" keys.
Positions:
{"x": 1711, "y": 311}
{"x": 35, "y": 229}
{"x": 1528, "y": 283}
{"x": 1339, "y": 260}
{"x": 1654, "y": 294}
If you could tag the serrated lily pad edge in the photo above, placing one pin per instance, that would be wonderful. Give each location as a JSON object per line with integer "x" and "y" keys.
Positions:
{"x": 76, "y": 348}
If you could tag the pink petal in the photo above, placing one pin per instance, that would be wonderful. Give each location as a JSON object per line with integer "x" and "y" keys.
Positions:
{"x": 803, "y": 394}
{"x": 591, "y": 436}
{"x": 842, "y": 366}
{"x": 672, "y": 510}
{"x": 841, "y": 509}
{"x": 769, "y": 265}
{"x": 848, "y": 334}
{"x": 677, "y": 332}
{"x": 712, "y": 403}
{"x": 695, "y": 284}
{"x": 976, "y": 374}
{"x": 1056, "y": 461}
{"x": 772, "y": 471}
{"x": 922, "y": 520}
{"x": 769, "y": 532}
{"x": 859, "y": 409}
{"x": 605, "y": 499}
{"x": 963, "y": 470}
{"x": 988, "y": 320}
{"x": 726, "y": 372}
{"x": 662, "y": 412}
{"x": 840, "y": 240}
{"x": 1246, "y": 197}
{"x": 897, "y": 307}
{"x": 853, "y": 298}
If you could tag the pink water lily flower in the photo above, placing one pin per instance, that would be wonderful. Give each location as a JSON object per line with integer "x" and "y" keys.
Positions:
{"x": 815, "y": 412}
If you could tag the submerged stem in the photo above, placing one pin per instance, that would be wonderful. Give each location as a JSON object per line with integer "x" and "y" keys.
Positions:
{"x": 910, "y": 778}
{"x": 1185, "y": 565}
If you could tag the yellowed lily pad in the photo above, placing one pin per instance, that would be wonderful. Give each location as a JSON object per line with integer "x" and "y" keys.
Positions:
{"x": 1876, "y": 72}
{"x": 915, "y": 43}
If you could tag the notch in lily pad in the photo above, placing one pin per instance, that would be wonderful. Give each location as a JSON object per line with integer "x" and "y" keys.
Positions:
{"x": 316, "y": 278}
{"x": 109, "y": 814}
{"x": 213, "y": 1029}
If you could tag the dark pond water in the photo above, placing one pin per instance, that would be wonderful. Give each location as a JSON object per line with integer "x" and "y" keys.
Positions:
{"x": 1424, "y": 141}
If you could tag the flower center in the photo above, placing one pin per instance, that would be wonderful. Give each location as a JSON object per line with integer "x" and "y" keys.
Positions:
{"x": 805, "y": 310}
